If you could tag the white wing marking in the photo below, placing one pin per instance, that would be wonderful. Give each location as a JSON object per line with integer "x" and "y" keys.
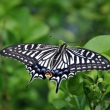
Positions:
{"x": 46, "y": 63}
{"x": 25, "y": 47}
{"x": 83, "y": 60}
{"x": 32, "y": 55}
{"x": 64, "y": 58}
{"x": 49, "y": 55}
{"x": 24, "y": 52}
{"x": 77, "y": 60}
{"x": 29, "y": 53}
{"x": 88, "y": 61}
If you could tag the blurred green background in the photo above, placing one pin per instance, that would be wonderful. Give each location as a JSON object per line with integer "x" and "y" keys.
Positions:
{"x": 33, "y": 21}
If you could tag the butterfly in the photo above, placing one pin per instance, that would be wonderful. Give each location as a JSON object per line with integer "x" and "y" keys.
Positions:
{"x": 57, "y": 62}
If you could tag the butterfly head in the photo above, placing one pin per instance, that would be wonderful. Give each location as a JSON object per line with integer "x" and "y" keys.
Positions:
{"x": 64, "y": 45}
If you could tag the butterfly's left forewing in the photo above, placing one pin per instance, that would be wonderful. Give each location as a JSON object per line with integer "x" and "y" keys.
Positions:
{"x": 29, "y": 54}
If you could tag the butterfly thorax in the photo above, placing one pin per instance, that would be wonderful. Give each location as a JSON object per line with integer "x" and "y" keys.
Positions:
{"x": 50, "y": 72}
{"x": 58, "y": 52}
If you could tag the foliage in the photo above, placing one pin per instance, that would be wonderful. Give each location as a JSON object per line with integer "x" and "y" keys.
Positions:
{"x": 27, "y": 21}
{"x": 89, "y": 89}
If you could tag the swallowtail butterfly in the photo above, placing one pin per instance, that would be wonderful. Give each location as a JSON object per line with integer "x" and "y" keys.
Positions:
{"x": 58, "y": 63}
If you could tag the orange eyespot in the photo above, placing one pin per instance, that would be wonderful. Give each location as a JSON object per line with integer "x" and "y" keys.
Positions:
{"x": 48, "y": 74}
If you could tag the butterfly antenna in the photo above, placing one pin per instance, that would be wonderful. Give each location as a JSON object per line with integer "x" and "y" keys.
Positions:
{"x": 67, "y": 42}
{"x": 76, "y": 41}
{"x": 54, "y": 38}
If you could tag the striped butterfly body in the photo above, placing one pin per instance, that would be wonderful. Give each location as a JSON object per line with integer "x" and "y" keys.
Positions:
{"x": 58, "y": 63}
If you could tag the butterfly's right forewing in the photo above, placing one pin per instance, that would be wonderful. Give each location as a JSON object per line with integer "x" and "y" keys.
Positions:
{"x": 84, "y": 60}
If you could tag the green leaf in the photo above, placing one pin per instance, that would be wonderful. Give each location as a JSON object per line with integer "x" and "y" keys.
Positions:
{"x": 108, "y": 100}
{"x": 74, "y": 101}
{"x": 87, "y": 107}
{"x": 100, "y": 80}
{"x": 107, "y": 78}
{"x": 82, "y": 102}
{"x": 36, "y": 32}
{"x": 12, "y": 26}
{"x": 107, "y": 90}
{"x": 92, "y": 74}
{"x": 63, "y": 86}
{"x": 58, "y": 103}
{"x": 107, "y": 56}
{"x": 78, "y": 101}
{"x": 52, "y": 95}
{"x": 99, "y": 44}
{"x": 86, "y": 83}
{"x": 23, "y": 17}
{"x": 75, "y": 85}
